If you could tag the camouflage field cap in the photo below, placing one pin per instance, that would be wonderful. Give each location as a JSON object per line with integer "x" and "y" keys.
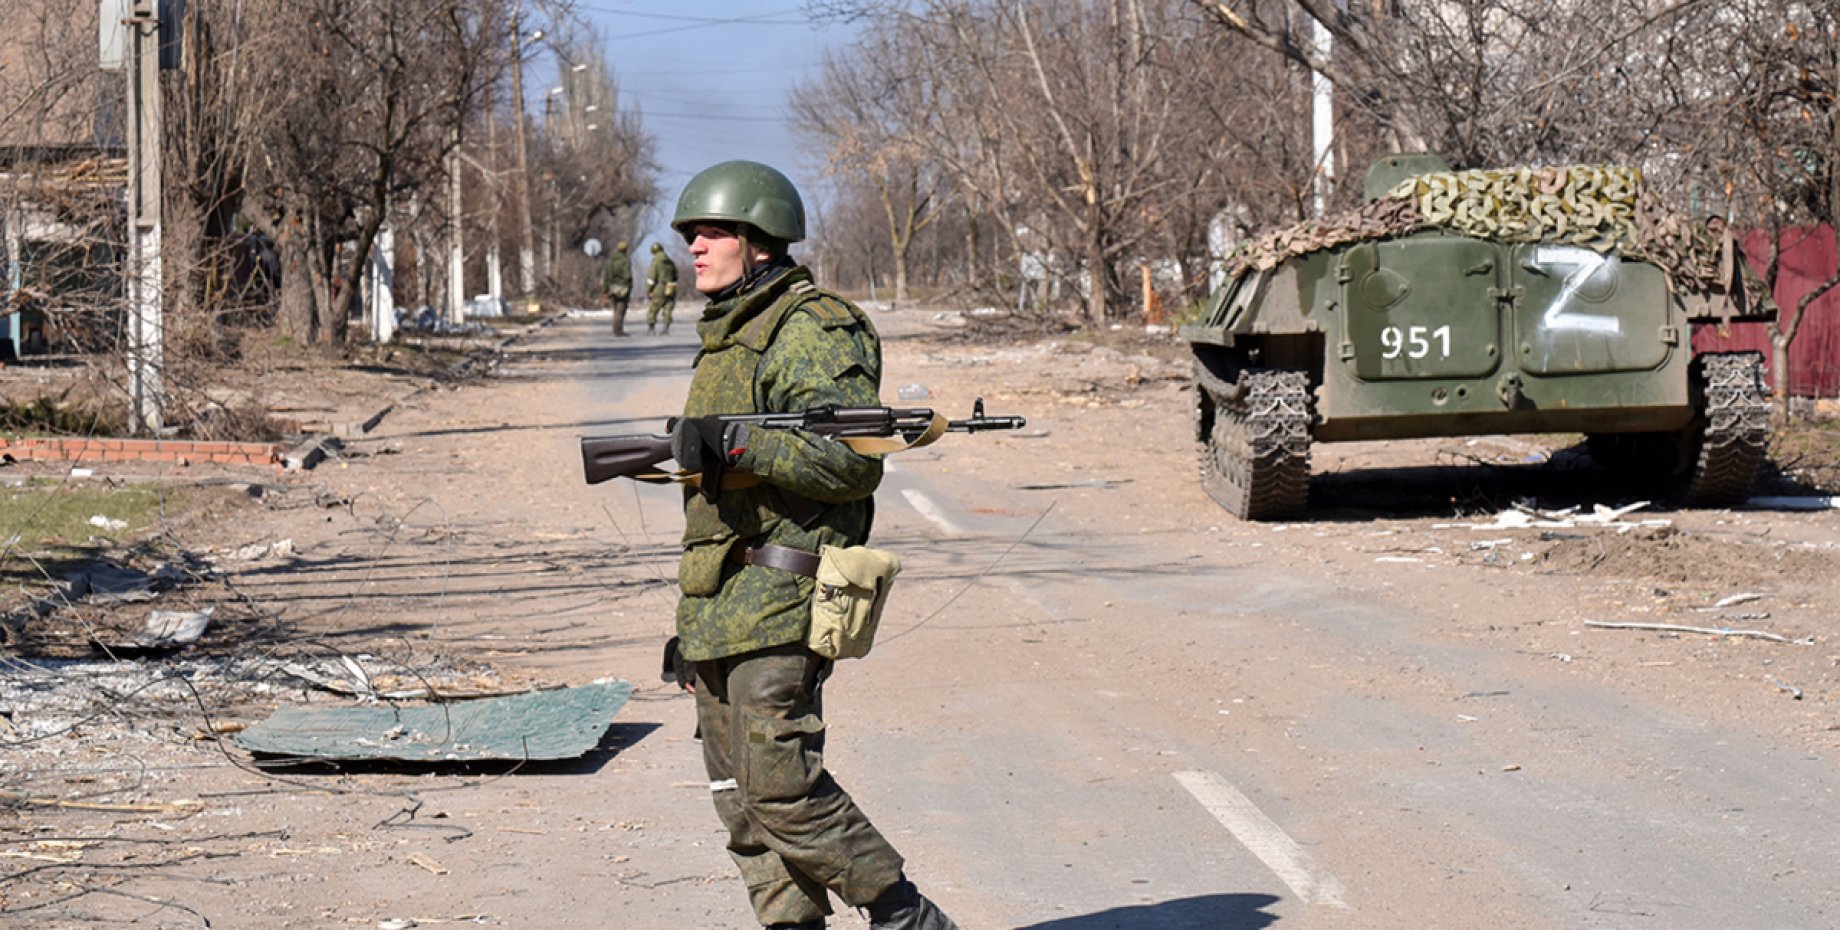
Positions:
{"x": 743, "y": 192}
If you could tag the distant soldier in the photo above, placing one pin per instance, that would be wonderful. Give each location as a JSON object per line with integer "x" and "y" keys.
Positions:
{"x": 661, "y": 284}
{"x": 616, "y": 283}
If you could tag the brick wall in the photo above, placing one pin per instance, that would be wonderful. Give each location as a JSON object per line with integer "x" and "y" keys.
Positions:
{"x": 175, "y": 451}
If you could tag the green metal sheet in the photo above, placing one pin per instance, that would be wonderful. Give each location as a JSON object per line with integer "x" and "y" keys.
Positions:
{"x": 563, "y": 723}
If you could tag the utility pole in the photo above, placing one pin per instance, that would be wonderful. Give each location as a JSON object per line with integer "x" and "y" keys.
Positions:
{"x": 145, "y": 339}
{"x": 383, "y": 281}
{"x": 495, "y": 286}
{"x": 456, "y": 254}
{"x": 527, "y": 250}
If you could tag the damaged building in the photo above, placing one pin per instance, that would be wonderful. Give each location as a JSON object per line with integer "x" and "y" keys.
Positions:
{"x": 63, "y": 180}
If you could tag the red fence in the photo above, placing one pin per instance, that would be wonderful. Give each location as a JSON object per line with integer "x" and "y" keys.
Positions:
{"x": 1808, "y": 260}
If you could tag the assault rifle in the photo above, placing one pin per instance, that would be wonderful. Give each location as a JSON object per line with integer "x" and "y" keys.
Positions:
{"x": 870, "y": 430}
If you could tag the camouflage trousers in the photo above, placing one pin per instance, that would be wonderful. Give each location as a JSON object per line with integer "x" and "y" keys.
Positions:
{"x": 659, "y": 310}
{"x": 618, "y": 298}
{"x": 795, "y": 834}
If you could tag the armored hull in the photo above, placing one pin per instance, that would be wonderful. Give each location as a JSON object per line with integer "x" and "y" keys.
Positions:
{"x": 1422, "y": 331}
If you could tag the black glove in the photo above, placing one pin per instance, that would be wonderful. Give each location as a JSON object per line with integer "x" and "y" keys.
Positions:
{"x": 675, "y": 668}
{"x": 708, "y": 446}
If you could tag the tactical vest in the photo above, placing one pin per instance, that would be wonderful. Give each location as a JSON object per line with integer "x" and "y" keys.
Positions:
{"x": 727, "y": 608}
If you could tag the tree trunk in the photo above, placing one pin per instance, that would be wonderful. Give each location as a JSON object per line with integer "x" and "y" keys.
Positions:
{"x": 900, "y": 272}
{"x": 1779, "y": 369}
{"x": 299, "y": 311}
{"x": 1097, "y": 306}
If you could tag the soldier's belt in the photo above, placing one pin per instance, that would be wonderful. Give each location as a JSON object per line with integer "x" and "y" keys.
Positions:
{"x": 784, "y": 558}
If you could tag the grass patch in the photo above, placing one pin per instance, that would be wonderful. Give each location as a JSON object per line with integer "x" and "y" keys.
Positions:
{"x": 45, "y": 524}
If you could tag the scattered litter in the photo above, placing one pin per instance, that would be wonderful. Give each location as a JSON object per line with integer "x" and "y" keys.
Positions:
{"x": 11, "y": 799}
{"x": 1101, "y": 483}
{"x": 1794, "y": 503}
{"x": 347, "y": 675}
{"x": 914, "y": 392}
{"x": 109, "y": 583}
{"x": 420, "y": 861}
{"x": 83, "y": 473}
{"x": 1704, "y": 631}
{"x": 1734, "y": 600}
{"x": 1485, "y": 544}
{"x": 1745, "y": 617}
{"x": 108, "y": 523}
{"x": 1399, "y": 559}
{"x": 165, "y": 630}
{"x": 562, "y": 723}
{"x": 1791, "y": 690}
{"x": 257, "y": 552}
{"x": 1522, "y": 516}
{"x": 395, "y": 923}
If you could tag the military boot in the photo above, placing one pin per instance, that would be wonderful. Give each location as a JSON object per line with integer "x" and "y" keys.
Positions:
{"x": 802, "y": 925}
{"x": 651, "y": 329}
{"x": 903, "y": 907}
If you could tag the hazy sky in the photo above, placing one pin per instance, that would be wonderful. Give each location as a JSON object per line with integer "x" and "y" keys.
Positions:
{"x": 711, "y": 77}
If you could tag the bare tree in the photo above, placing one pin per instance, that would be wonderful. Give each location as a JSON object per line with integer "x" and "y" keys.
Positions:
{"x": 857, "y": 115}
{"x": 376, "y": 94}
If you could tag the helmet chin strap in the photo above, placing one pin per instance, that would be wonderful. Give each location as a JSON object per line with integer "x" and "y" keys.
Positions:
{"x": 747, "y": 250}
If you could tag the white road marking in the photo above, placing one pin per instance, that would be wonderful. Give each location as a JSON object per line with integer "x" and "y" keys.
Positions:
{"x": 1263, "y": 838}
{"x": 931, "y": 511}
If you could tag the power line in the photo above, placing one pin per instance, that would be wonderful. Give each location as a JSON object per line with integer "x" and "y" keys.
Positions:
{"x": 645, "y": 114}
{"x": 758, "y": 20}
{"x": 710, "y": 20}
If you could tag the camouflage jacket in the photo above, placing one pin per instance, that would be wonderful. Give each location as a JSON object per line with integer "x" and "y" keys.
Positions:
{"x": 618, "y": 274}
{"x": 663, "y": 272}
{"x": 783, "y": 346}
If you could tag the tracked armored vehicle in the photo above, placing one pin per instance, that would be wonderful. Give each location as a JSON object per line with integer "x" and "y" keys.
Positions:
{"x": 1481, "y": 302}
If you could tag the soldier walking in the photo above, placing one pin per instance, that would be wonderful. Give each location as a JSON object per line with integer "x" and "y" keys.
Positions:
{"x": 616, "y": 283}
{"x": 661, "y": 286}
{"x": 773, "y": 342}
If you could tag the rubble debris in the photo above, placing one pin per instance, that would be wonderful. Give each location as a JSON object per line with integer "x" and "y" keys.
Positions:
{"x": 1791, "y": 690}
{"x": 260, "y": 552}
{"x": 310, "y": 452}
{"x": 1522, "y": 516}
{"x": 1734, "y": 600}
{"x": 165, "y": 630}
{"x": 563, "y": 723}
{"x": 1100, "y": 483}
{"x": 1702, "y": 630}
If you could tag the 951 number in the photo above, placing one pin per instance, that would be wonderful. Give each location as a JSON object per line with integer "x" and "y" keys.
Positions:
{"x": 1414, "y": 341}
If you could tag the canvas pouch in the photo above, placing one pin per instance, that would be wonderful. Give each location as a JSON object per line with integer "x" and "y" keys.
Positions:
{"x": 847, "y": 604}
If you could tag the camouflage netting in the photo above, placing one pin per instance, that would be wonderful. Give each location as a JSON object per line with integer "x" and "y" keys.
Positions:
{"x": 1602, "y": 208}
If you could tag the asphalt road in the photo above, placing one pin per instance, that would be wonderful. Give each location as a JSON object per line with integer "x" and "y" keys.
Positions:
{"x": 1077, "y": 728}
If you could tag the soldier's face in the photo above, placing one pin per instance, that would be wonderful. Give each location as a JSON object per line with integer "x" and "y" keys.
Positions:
{"x": 716, "y": 255}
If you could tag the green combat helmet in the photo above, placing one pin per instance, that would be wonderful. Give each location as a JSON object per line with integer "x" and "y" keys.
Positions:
{"x": 743, "y": 192}
{"x": 657, "y": 247}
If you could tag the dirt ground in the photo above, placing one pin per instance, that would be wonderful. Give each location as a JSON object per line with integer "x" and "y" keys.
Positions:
{"x": 437, "y": 553}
